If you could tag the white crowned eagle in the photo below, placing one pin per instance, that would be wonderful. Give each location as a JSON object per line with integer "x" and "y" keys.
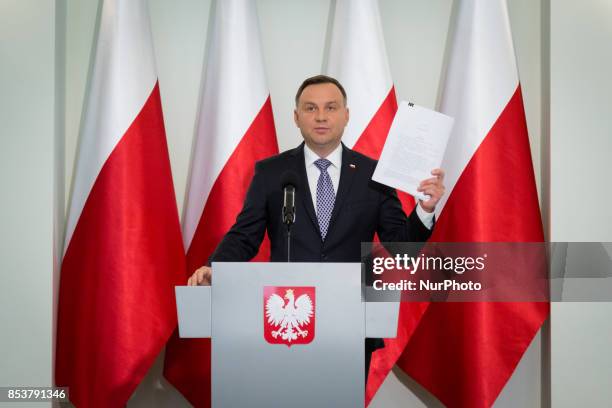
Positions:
{"x": 290, "y": 316}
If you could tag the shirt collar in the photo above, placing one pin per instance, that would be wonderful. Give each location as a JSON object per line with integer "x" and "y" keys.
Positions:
{"x": 335, "y": 157}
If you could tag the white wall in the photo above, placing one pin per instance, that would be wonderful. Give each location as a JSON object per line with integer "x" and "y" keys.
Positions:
{"x": 27, "y": 167}
{"x": 581, "y": 144}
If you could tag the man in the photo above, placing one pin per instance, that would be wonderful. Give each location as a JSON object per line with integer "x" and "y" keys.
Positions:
{"x": 338, "y": 206}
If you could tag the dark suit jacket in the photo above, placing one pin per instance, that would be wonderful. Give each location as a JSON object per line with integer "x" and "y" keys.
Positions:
{"x": 362, "y": 208}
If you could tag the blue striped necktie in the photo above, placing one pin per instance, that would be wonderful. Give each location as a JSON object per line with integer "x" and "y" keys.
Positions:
{"x": 325, "y": 196}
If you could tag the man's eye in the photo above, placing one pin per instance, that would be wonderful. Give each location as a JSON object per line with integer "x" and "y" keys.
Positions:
{"x": 331, "y": 108}
{"x": 310, "y": 108}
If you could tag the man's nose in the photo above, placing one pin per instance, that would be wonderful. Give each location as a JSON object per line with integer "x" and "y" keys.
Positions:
{"x": 321, "y": 116}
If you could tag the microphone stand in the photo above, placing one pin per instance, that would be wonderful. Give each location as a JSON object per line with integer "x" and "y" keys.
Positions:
{"x": 288, "y": 242}
{"x": 288, "y": 220}
{"x": 289, "y": 216}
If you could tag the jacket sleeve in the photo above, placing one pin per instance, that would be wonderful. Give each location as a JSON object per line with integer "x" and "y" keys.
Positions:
{"x": 242, "y": 241}
{"x": 394, "y": 226}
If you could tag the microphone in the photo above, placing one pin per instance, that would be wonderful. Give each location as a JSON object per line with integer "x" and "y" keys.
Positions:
{"x": 289, "y": 184}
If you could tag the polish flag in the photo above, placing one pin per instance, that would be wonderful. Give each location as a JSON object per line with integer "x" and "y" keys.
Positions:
{"x": 464, "y": 353}
{"x": 235, "y": 130}
{"x": 358, "y": 59}
{"x": 123, "y": 252}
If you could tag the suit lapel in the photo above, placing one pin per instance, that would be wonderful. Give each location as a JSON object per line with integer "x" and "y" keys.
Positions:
{"x": 347, "y": 175}
{"x": 306, "y": 196}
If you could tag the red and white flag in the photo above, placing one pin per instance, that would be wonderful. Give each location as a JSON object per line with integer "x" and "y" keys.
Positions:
{"x": 464, "y": 353}
{"x": 123, "y": 251}
{"x": 235, "y": 129}
{"x": 358, "y": 59}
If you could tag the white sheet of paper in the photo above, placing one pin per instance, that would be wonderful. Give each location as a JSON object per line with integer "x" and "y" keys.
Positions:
{"x": 414, "y": 147}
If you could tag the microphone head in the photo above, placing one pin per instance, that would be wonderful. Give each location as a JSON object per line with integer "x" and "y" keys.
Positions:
{"x": 289, "y": 178}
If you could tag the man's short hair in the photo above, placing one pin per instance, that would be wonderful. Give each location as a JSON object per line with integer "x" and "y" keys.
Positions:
{"x": 316, "y": 80}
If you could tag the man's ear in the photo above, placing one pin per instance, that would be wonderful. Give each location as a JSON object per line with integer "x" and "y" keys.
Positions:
{"x": 347, "y": 116}
{"x": 295, "y": 117}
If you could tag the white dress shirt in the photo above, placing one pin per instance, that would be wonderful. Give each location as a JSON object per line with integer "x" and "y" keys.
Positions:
{"x": 335, "y": 157}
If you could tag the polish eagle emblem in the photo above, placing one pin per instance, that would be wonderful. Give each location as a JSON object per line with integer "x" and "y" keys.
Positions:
{"x": 289, "y": 315}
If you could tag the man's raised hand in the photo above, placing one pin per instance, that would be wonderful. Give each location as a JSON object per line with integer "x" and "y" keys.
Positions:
{"x": 434, "y": 188}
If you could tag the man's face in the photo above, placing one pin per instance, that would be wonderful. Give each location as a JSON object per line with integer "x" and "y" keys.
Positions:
{"x": 321, "y": 116}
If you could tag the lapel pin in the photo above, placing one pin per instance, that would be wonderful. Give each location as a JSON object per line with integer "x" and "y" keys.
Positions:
{"x": 352, "y": 166}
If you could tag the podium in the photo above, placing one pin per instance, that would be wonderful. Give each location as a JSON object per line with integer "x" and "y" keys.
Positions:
{"x": 285, "y": 334}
